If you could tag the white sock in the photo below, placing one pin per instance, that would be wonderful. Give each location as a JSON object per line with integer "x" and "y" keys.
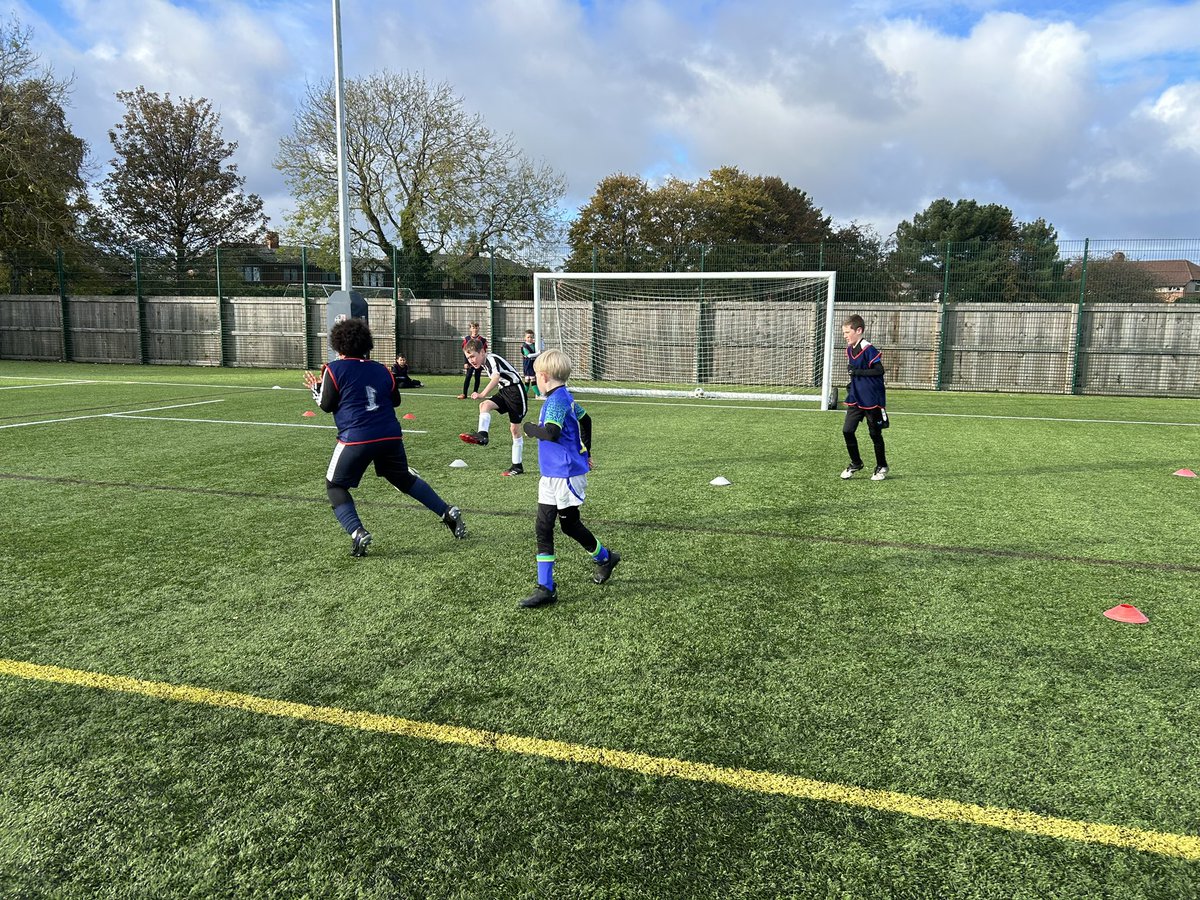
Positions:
{"x": 518, "y": 449}
{"x": 485, "y": 421}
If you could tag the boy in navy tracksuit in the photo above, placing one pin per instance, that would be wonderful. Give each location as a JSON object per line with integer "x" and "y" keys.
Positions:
{"x": 564, "y": 446}
{"x": 363, "y": 396}
{"x": 866, "y": 398}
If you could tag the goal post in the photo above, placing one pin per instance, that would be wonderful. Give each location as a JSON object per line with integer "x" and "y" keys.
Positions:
{"x": 726, "y": 335}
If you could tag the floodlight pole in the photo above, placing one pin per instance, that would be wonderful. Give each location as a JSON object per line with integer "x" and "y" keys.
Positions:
{"x": 339, "y": 106}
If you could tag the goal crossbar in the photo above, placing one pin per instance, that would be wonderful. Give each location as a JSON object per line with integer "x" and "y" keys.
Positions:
{"x": 725, "y": 335}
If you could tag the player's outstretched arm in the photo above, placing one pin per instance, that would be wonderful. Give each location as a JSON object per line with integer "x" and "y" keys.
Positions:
{"x": 547, "y": 432}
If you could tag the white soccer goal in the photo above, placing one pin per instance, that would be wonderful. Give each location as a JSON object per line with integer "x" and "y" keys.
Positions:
{"x": 729, "y": 335}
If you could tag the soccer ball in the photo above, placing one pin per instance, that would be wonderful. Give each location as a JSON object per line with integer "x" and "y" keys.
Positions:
{"x": 698, "y": 393}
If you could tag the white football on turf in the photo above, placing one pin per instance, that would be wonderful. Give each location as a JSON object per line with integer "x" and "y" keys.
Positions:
{"x": 698, "y": 393}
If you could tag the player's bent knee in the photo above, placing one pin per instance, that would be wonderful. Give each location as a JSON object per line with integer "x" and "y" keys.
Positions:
{"x": 338, "y": 496}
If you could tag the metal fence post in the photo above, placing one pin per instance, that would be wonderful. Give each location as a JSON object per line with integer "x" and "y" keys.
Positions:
{"x": 492, "y": 298}
{"x": 222, "y": 323}
{"x": 310, "y": 320}
{"x": 943, "y": 315}
{"x": 143, "y": 328}
{"x": 1079, "y": 319}
{"x": 64, "y": 306}
{"x": 141, "y": 305}
{"x": 396, "y": 300}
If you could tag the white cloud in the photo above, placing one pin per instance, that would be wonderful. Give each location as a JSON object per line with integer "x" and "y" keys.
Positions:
{"x": 1080, "y": 119}
{"x": 1178, "y": 110}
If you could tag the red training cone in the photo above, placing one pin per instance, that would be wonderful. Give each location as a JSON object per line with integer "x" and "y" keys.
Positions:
{"x": 409, "y": 416}
{"x": 1185, "y": 473}
{"x": 1126, "y": 612}
{"x": 308, "y": 414}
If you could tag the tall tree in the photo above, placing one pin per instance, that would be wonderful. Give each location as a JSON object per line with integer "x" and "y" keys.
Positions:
{"x": 43, "y": 165}
{"x": 172, "y": 189}
{"x": 673, "y": 221}
{"x": 425, "y": 176}
{"x": 743, "y": 218}
{"x": 752, "y": 209}
{"x": 1040, "y": 271}
{"x": 975, "y": 241}
{"x": 610, "y": 231}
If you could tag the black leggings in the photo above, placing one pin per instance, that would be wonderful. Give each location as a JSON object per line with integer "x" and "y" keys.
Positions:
{"x": 571, "y": 525}
{"x": 467, "y": 379}
{"x": 854, "y": 415}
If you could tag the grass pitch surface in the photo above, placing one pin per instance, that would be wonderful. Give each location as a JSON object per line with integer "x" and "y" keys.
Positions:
{"x": 792, "y": 686}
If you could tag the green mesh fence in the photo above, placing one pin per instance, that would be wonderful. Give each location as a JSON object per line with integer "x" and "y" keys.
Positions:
{"x": 1110, "y": 317}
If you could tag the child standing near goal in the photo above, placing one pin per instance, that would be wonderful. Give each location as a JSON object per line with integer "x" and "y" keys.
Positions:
{"x": 564, "y": 447}
{"x": 529, "y": 353}
{"x": 510, "y": 398}
{"x": 469, "y": 370}
{"x": 866, "y": 398}
{"x": 363, "y": 396}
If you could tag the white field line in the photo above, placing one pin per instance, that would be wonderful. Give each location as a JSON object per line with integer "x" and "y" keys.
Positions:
{"x": 590, "y": 401}
{"x": 21, "y": 387}
{"x": 1052, "y": 419}
{"x": 235, "y": 387}
{"x": 108, "y": 415}
{"x": 237, "y": 422}
{"x": 217, "y": 421}
{"x": 712, "y": 405}
{"x": 31, "y": 377}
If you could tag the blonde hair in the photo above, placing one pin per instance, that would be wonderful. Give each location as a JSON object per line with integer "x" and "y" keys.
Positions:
{"x": 554, "y": 363}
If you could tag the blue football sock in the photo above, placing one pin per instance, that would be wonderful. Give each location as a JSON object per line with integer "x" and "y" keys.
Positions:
{"x": 601, "y": 554}
{"x": 545, "y": 571}
{"x": 348, "y": 516}
{"x": 427, "y": 497}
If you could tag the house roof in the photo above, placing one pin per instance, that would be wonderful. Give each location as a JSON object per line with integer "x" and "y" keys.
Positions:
{"x": 1170, "y": 272}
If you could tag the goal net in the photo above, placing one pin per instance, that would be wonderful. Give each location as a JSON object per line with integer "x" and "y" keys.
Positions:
{"x": 730, "y": 335}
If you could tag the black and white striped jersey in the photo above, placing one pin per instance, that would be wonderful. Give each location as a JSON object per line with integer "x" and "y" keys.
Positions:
{"x": 495, "y": 364}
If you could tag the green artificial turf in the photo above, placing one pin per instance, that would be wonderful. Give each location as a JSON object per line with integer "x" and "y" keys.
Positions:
{"x": 938, "y": 634}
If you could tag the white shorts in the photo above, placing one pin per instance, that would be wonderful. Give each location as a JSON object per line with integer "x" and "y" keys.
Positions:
{"x": 562, "y": 492}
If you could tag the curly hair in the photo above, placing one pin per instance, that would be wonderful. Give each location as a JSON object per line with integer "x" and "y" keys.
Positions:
{"x": 352, "y": 337}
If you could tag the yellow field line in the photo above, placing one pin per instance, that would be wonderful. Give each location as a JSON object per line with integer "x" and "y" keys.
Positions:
{"x": 1158, "y": 842}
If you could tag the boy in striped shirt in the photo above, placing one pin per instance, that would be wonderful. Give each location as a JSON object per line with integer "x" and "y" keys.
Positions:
{"x": 509, "y": 399}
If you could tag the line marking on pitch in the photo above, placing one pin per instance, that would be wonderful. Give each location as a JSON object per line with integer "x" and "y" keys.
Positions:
{"x": 238, "y": 422}
{"x": 750, "y": 780}
{"x": 109, "y": 415}
{"x": 22, "y": 387}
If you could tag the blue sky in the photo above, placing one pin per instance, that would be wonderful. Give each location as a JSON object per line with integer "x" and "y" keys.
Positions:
{"x": 1086, "y": 115}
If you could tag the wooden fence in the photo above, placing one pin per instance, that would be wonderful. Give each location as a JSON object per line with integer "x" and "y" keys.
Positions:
{"x": 1145, "y": 349}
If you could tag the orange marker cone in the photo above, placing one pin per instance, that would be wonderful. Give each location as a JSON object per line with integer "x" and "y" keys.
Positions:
{"x": 409, "y": 416}
{"x": 1126, "y": 612}
{"x": 1185, "y": 473}
{"x": 308, "y": 414}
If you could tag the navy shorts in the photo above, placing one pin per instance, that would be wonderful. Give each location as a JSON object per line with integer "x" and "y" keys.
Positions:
{"x": 350, "y": 461}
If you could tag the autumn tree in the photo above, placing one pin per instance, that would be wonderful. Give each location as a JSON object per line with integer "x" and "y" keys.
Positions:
{"x": 43, "y": 187}
{"x": 424, "y": 176}
{"x": 610, "y": 234}
{"x": 728, "y": 219}
{"x": 172, "y": 189}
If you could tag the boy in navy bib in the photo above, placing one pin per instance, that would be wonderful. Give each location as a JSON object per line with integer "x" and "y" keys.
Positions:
{"x": 866, "y": 398}
{"x": 362, "y": 395}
